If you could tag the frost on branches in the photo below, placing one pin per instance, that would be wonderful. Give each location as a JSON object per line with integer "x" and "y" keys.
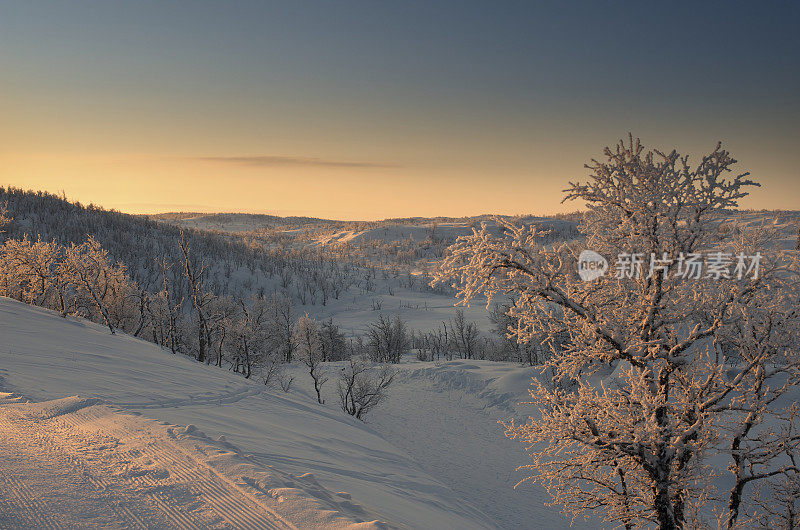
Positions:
{"x": 689, "y": 367}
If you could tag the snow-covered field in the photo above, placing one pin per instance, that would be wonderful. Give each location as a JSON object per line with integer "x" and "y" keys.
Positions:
{"x": 75, "y": 462}
{"x": 174, "y": 439}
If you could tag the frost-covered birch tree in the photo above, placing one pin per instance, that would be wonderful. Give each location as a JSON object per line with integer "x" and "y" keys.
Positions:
{"x": 649, "y": 378}
{"x": 101, "y": 283}
{"x": 309, "y": 350}
{"x": 195, "y": 271}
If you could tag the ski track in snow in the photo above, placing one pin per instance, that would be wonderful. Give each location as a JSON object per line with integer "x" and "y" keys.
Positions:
{"x": 74, "y": 463}
{"x": 32, "y": 462}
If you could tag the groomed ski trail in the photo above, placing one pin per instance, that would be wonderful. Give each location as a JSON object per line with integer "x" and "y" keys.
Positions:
{"x": 76, "y": 463}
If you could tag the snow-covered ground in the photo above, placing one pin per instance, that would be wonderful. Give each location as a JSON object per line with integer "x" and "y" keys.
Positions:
{"x": 454, "y": 408}
{"x": 445, "y": 416}
{"x": 75, "y": 462}
{"x": 433, "y": 456}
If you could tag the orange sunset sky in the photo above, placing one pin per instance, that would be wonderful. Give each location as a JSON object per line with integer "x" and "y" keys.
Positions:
{"x": 372, "y": 110}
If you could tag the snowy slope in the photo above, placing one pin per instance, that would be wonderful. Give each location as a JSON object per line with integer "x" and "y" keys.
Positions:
{"x": 44, "y": 357}
{"x": 445, "y": 415}
{"x": 75, "y": 462}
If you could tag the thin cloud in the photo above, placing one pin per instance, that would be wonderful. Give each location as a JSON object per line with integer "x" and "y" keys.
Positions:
{"x": 277, "y": 161}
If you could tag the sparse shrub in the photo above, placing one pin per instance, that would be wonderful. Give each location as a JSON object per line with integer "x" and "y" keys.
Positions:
{"x": 361, "y": 388}
{"x": 388, "y": 340}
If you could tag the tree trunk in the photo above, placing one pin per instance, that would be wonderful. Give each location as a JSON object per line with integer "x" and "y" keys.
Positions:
{"x": 734, "y": 502}
{"x": 663, "y": 506}
{"x": 201, "y": 356}
{"x": 100, "y": 305}
{"x": 247, "y": 369}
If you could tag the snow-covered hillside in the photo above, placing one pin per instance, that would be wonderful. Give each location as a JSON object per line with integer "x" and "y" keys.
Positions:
{"x": 326, "y": 232}
{"x": 415, "y": 463}
{"x": 75, "y": 462}
{"x": 445, "y": 415}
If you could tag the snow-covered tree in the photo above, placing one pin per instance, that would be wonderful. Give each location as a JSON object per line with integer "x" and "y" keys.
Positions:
{"x": 362, "y": 388}
{"x": 308, "y": 348}
{"x": 762, "y": 439}
{"x": 530, "y": 352}
{"x": 465, "y": 336}
{"x": 165, "y": 310}
{"x": 249, "y": 337}
{"x": 438, "y": 342}
{"x": 632, "y": 445}
{"x": 777, "y": 504}
{"x": 281, "y": 322}
{"x": 33, "y": 268}
{"x": 195, "y": 271}
{"x": 334, "y": 347}
{"x": 388, "y": 339}
{"x": 102, "y": 284}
